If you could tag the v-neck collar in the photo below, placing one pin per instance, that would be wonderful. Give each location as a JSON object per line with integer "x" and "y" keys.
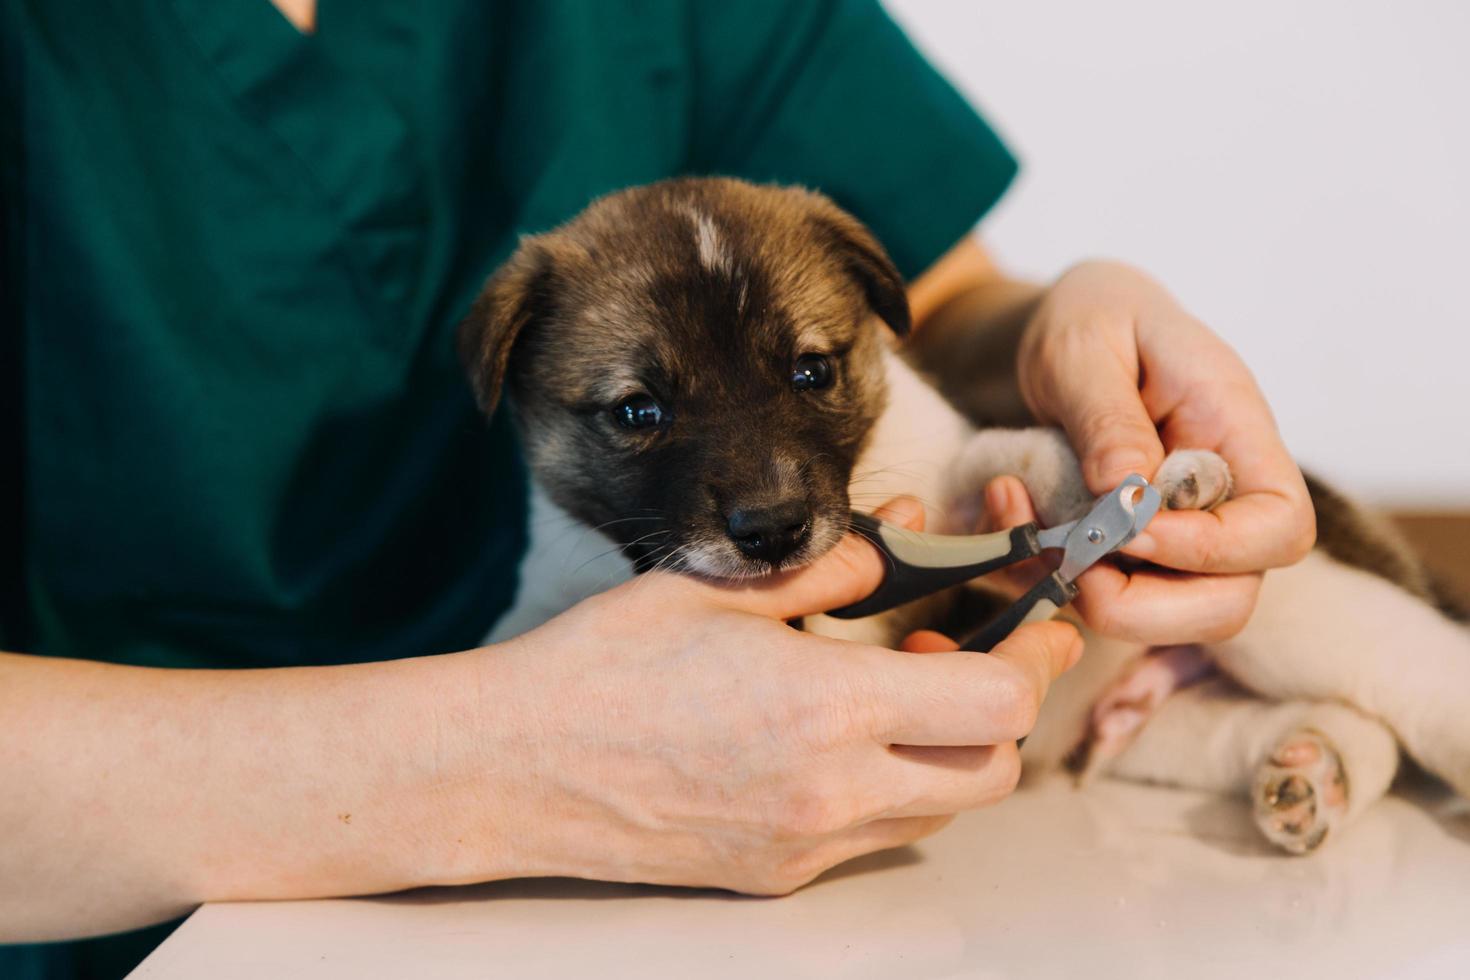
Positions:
{"x": 315, "y": 17}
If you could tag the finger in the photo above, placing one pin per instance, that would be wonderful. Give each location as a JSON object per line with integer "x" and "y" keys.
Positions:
{"x": 1041, "y": 652}
{"x": 1270, "y": 521}
{"x": 1246, "y": 534}
{"x": 960, "y": 698}
{"x": 1156, "y": 606}
{"x": 847, "y": 573}
{"x": 1008, "y": 504}
{"x": 902, "y": 511}
{"x": 928, "y": 641}
{"x": 869, "y": 838}
{"x": 934, "y": 779}
{"x": 1102, "y": 410}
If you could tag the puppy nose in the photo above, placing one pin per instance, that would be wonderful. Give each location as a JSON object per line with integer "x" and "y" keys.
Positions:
{"x": 769, "y": 533}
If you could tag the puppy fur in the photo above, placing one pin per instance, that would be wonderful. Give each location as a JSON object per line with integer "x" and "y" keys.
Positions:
{"x": 703, "y": 296}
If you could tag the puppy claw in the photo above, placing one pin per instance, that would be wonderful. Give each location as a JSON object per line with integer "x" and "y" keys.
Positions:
{"x": 1300, "y": 792}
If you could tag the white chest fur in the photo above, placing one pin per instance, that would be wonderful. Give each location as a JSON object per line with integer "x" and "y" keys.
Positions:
{"x": 566, "y": 561}
{"x": 912, "y": 447}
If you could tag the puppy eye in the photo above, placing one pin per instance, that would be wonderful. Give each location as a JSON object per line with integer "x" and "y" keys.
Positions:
{"x": 812, "y": 371}
{"x": 639, "y": 412}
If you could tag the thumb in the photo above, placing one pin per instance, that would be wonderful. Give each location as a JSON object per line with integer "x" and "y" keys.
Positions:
{"x": 1042, "y": 652}
{"x": 1103, "y": 413}
{"x": 928, "y": 641}
{"x": 847, "y": 573}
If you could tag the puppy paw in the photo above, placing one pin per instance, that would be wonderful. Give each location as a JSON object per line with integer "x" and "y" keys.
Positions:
{"x": 1194, "y": 479}
{"x": 1300, "y": 792}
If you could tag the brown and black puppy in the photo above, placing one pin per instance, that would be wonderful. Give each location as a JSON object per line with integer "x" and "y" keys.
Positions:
{"x": 705, "y": 373}
{"x": 692, "y": 369}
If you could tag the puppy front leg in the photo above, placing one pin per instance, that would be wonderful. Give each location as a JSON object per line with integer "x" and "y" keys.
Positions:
{"x": 1041, "y": 458}
{"x": 1188, "y": 479}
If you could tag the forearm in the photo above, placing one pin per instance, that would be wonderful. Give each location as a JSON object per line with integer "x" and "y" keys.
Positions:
{"x": 969, "y": 348}
{"x": 133, "y": 794}
{"x": 969, "y": 319}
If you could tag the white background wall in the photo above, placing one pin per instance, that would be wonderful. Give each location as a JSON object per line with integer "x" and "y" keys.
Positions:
{"x": 1297, "y": 172}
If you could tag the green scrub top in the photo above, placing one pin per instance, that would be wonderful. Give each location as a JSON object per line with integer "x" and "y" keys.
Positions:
{"x": 233, "y": 430}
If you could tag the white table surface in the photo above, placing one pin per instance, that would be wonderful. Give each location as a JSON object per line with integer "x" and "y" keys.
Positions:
{"x": 1117, "y": 880}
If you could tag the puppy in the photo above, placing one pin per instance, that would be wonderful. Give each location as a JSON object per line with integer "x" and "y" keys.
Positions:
{"x": 705, "y": 376}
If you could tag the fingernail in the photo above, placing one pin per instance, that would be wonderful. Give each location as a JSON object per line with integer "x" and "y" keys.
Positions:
{"x": 898, "y": 510}
{"x": 1118, "y": 463}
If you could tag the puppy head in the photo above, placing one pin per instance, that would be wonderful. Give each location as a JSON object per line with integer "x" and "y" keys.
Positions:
{"x": 695, "y": 367}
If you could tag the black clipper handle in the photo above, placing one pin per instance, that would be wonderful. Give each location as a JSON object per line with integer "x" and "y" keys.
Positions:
{"x": 1042, "y": 602}
{"x": 922, "y": 564}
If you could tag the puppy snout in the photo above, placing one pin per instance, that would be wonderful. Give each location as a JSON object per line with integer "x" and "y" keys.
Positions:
{"x": 771, "y": 533}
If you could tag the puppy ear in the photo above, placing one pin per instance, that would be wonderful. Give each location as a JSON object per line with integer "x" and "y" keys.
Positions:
{"x": 870, "y": 265}
{"x": 512, "y": 298}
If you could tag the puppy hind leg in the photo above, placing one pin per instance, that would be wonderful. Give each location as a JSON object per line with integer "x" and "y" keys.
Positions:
{"x": 1360, "y": 639}
{"x": 1310, "y": 768}
{"x": 1128, "y": 703}
{"x": 1208, "y": 736}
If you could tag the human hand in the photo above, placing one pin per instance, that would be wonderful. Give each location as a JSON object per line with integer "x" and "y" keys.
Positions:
{"x": 1112, "y": 358}
{"x": 677, "y": 731}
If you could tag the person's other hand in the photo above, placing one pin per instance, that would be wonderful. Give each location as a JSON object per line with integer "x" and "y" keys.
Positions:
{"x": 678, "y": 731}
{"x": 1112, "y": 358}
